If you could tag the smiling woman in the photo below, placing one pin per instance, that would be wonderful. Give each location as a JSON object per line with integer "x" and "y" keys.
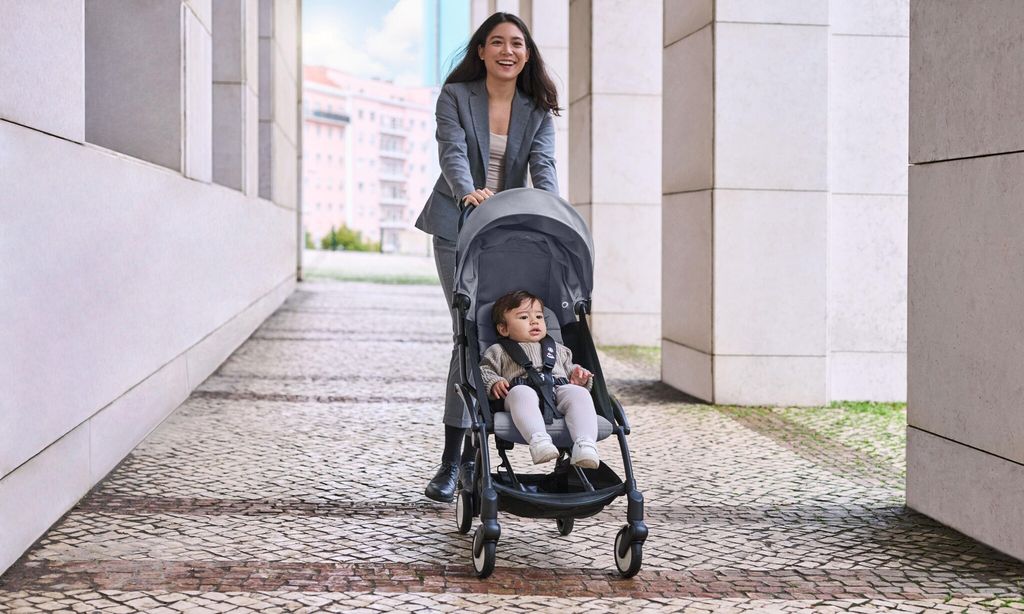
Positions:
{"x": 494, "y": 123}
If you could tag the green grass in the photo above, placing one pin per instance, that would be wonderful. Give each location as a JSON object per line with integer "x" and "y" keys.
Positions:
{"x": 871, "y": 407}
{"x": 403, "y": 280}
{"x": 644, "y": 354}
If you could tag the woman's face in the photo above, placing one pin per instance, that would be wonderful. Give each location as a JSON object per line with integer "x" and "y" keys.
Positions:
{"x": 504, "y": 52}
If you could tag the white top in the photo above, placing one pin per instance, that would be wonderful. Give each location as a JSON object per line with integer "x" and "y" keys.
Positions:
{"x": 496, "y": 163}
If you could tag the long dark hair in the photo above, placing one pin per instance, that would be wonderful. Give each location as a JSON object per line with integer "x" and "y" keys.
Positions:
{"x": 533, "y": 80}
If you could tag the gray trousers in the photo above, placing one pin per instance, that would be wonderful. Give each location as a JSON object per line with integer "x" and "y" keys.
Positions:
{"x": 455, "y": 413}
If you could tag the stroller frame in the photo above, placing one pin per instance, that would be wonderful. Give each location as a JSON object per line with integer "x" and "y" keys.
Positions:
{"x": 483, "y": 494}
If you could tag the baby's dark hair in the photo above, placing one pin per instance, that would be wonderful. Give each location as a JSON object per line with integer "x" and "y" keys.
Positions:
{"x": 509, "y": 302}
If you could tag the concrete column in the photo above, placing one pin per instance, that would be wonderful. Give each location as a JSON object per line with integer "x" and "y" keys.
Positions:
{"x": 615, "y": 137}
{"x": 548, "y": 21}
{"x": 42, "y": 65}
{"x": 965, "y": 458}
{"x": 278, "y": 91}
{"x": 745, "y": 179}
{"x": 235, "y": 94}
{"x": 867, "y": 239}
{"x": 479, "y": 10}
{"x": 141, "y": 116}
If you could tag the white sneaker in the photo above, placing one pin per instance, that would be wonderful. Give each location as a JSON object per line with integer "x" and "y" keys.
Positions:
{"x": 584, "y": 454}
{"x": 541, "y": 448}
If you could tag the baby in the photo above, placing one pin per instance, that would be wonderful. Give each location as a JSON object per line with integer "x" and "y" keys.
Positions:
{"x": 519, "y": 316}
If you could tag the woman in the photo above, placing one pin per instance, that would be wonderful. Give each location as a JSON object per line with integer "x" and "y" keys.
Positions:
{"x": 493, "y": 124}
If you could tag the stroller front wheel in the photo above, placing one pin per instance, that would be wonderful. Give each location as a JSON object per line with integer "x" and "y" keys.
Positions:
{"x": 464, "y": 511}
{"x": 628, "y": 557}
{"x": 565, "y": 525}
{"x": 484, "y": 554}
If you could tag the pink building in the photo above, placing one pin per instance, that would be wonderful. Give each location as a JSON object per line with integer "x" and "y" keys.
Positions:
{"x": 369, "y": 157}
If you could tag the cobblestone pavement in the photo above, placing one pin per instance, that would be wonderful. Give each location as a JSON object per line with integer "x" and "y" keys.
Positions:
{"x": 292, "y": 480}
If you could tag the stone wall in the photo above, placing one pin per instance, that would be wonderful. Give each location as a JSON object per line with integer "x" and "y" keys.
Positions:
{"x": 965, "y": 440}
{"x": 128, "y": 275}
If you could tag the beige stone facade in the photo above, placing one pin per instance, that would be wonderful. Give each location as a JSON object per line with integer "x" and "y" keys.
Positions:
{"x": 132, "y": 148}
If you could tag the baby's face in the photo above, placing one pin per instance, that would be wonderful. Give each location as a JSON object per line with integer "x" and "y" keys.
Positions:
{"x": 525, "y": 323}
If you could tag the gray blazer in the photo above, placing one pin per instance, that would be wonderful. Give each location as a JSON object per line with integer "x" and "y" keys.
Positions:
{"x": 463, "y": 142}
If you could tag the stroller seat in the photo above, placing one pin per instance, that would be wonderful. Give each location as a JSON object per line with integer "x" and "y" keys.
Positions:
{"x": 503, "y": 425}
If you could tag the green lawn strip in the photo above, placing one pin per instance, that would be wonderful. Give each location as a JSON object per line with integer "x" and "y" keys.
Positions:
{"x": 875, "y": 429}
{"x": 404, "y": 280}
{"x": 641, "y": 355}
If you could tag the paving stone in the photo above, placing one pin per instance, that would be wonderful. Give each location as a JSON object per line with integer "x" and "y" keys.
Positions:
{"x": 291, "y": 480}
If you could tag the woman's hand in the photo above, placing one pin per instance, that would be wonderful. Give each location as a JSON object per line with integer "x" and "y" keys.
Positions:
{"x": 477, "y": 197}
{"x": 500, "y": 389}
{"x": 580, "y": 376}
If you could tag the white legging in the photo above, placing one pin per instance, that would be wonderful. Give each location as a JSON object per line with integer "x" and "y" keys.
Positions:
{"x": 572, "y": 401}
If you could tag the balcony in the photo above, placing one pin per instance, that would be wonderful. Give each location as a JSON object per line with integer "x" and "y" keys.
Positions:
{"x": 394, "y": 153}
{"x": 398, "y": 201}
{"x": 392, "y": 131}
{"x": 328, "y": 117}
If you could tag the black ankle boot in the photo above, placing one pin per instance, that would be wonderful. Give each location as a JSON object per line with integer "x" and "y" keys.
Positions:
{"x": 442, "y": 486}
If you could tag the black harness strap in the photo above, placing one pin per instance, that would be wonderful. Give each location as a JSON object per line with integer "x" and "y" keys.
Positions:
{"x": 540, "y": 379}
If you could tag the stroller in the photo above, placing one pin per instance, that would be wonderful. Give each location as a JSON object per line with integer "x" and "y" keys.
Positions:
{"x": 527, "y": 239}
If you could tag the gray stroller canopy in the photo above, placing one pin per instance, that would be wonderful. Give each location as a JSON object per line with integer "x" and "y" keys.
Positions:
{"x": 525, "y": 239}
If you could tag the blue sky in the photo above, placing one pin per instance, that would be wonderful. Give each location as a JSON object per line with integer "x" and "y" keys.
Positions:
{"x": 371, "y": 38}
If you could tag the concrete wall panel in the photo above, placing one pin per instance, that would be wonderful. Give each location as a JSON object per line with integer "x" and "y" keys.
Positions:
{"x": 229, "y": 53}
{"x": 687, "y": 369}
{"x": 773, "y": 12}
{"x": 684, "y": 18}
{"x": 286, "y": 34}
{"x": 133, "y": 79}
{"x": 868, "y": 114}
{"x": 286, "y": 92}
{"x": 117, "y": 221}
{"x": 116, "y": 429}
{"x": 688, "y": 120}
{"x": 867, "y": 246}
{"x": 286, "y": 170}
{"x": 580, "y": 45}
{"x": 771, "y": 110}
{"x": 966, "y": 90}
{"x": 41, "y": 65}
{"x": 615, "y": 27}
{"x": 686, "y": 261}
{"x": 769, "y": 273}
{"x": 229, "y": 116}
{"x": 966, "y": 333}
{"x": 580, "y": 163}
{"x": 868, "y": 376}
{"x": 770, "y": 380}
{"x": 626, "y": 149}
{"x": 971, "y": 491}
{"x": 550, "y": 23}
{"x": 53, "y": 480}
{"x": 870, "y": 17}
{"x": 626, "y": 263}
{"x": 198, "y": 100}
{"x": 203, "y": 10}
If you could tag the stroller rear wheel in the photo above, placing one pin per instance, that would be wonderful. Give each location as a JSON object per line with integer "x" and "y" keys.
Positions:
{"x": 631, "y": 557}
{"x": 464, "y": 510}
{"x": 484, "y": 554}
{"x": 565, "y": 525}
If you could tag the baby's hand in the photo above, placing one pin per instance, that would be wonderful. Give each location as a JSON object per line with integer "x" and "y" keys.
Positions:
{"x": 580, "y": 376}
{"x": 500, "y": 389}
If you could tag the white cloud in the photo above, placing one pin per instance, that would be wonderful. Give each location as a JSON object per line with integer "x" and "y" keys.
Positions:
{"x": 393, "y": 51}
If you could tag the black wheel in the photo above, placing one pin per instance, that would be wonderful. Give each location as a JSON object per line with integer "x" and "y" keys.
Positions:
{"x": 628, "y": 564}
{"x": 565, "y": 525}
{"x": 464, "y": 511}
{"x": 483, "y": 563}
